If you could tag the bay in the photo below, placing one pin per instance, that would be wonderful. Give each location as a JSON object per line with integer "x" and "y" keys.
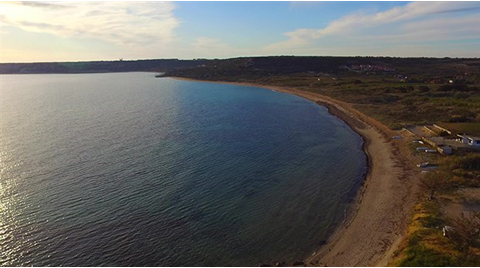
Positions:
{"x": 122, "y": 169}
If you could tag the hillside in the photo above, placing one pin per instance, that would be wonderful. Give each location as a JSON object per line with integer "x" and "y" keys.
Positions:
{"x": 396, "y": 91}
{"x": 160, "y": 65}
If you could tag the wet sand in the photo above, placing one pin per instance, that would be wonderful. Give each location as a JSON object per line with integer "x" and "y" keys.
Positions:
{"x": 377, "y": 221}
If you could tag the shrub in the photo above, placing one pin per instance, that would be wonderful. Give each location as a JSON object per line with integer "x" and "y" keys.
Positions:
{"x": 443, "y": 134}
{"x": 470, "y": 162}
{"x": 423, "y": 89}
{"x": 445, "y": 88}
{"x": 460, "y": 95}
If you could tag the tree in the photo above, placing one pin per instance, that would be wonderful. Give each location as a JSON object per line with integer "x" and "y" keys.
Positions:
{"x": 435, "y": 181}
{"x": 466, "y": 232}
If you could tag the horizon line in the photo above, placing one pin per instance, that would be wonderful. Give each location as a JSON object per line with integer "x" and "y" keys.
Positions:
{"x": 241, "y": 57}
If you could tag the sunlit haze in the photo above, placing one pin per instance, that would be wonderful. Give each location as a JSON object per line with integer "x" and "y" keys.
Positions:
{"x": 78, "y": 31}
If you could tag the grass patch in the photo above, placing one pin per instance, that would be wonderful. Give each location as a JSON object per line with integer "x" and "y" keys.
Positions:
{"x": 425, "y": 244}
{"x": 469, "y": 128}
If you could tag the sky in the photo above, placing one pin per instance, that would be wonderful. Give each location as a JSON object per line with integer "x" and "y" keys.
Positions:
{"x": 83, "y": 31}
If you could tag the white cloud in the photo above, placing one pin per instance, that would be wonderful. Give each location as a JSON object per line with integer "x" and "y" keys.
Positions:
{"x": 123, "y": 23}
{"x": 439, "y": 29}
{"x": 417, "y": 21}
{"x": 130, "y": 30}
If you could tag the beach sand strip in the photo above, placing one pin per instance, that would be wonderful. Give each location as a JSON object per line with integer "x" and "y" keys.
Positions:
{"x": 378, "y": 219}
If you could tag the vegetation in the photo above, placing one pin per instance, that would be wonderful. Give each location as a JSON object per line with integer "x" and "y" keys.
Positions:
{"x": 465, "y": 170}
{"x": 466, "y": 233}
{"x": 406, "y": 91}
{"x": 395, "y": 91}
{"x": 98, "y": 66}
{"x": 426, "y": 244}
{"x": 435, "y": 181}
{"x": 470, "y": 128}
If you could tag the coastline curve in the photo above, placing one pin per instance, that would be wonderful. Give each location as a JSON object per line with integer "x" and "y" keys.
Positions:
{"x": 377, "y": 220}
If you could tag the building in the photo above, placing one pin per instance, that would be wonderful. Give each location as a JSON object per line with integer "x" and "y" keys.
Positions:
{"x": 445, "y": 150}
{"x": 470, "y": 140}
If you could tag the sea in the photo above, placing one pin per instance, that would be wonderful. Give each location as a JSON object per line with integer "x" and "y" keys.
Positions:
{"x": 125, "y": 169}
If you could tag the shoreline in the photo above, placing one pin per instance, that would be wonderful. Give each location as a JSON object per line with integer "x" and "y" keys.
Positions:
{"x": 377, "y": 218}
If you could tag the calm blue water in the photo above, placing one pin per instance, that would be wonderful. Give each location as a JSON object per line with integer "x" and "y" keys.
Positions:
{"x": 124, "y": 169}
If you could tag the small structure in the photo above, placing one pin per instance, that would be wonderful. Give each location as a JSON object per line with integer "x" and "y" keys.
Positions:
{"x": 423, "y": 165}
{"x": 448, "y": 231}
{"x": 443, "y": 129}
{"x": 470, "y": 140}
{"x": 445, "y": 150}
{"x": 474, "y": 141}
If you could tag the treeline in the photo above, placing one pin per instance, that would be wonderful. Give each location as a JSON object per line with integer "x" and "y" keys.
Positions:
{"x": 257, "y": 67}
{"x": 158, "y": 65}
{"x": 253, "y": 67}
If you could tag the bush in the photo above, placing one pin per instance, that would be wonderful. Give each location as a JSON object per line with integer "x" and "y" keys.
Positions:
{"x": 453, "y": 87}
{"x": 459, "y": 119}
{"x": 445, "y": 88}
{"x": 469, "y": 162}
{"x": 357, "y": 81}
{"x": 423, "y": 89}
{"x": 404, "y": 89}
{"x": 420, "y": 256}
{"x": 444, "y": 134}
{"x": 431, "y": 221}
{"x": 409, "y": 88}
{"x": 474, "y": 89}
{"x": 461, "y": 87}
{"x": 460, "y": 96}
{"x": 384, "y": 98}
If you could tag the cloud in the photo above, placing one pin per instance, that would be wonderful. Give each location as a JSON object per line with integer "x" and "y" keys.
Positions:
{"x": 415, "y": 21}
{"x": 39, "y": 4}
{"x": 467, "y": 27}
{"x": 460, "y": 10}
{"x": 122, "y": 23}
{"x": 3, "y": 32}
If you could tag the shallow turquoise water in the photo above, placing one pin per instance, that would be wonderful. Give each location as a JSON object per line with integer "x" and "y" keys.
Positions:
{"x": 127, "y": 170}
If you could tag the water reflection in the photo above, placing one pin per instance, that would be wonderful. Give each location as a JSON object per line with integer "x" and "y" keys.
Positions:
{"x": 129, "y": 170}
{"x": 14, "y": 242}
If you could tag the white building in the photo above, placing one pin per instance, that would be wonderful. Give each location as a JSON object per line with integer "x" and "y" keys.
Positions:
{"x": 470, "y": 140}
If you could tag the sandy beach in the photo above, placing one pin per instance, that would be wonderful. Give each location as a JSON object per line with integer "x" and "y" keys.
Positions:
{"x": 376, "y": 223}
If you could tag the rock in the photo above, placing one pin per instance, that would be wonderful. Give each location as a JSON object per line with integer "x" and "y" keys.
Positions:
{"x": 299, "y": 264}
{"x": 322, "y": 242}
